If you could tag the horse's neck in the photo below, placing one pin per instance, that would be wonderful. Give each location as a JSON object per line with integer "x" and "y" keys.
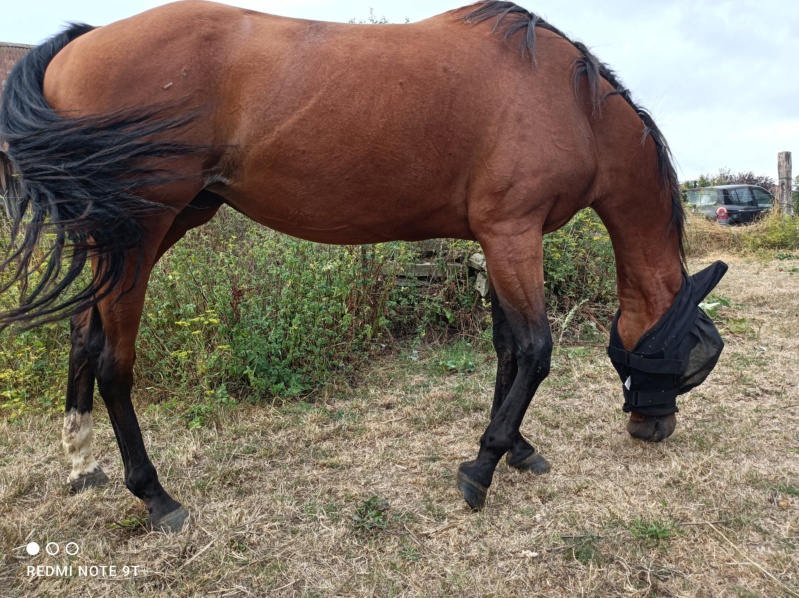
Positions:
{"x": 648, "y": 262}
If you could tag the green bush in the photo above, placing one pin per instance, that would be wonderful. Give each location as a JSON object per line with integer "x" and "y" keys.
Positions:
{"x": 579, "y": 266}
{"x": 237, "y": 306}
{"x": 775, "y": 232}
{"x": 236, "y": 310}
{"x": 33, "y": 363}
{"x": 33, "y": 368}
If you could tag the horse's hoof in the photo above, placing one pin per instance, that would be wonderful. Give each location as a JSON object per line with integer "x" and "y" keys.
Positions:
{"x": 533, "y": 462}
{"x": 171, "y": 522}
{"x": 474, "y": 493}
{"x": 94, "y": 479}
{"x": 651, "y": 429}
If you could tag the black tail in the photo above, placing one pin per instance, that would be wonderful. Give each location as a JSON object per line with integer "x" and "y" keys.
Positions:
{"x": 76, "y": 185}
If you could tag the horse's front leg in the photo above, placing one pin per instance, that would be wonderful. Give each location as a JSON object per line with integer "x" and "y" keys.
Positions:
{"x": 522, "y": 455}
{"x": 516, "y": 266}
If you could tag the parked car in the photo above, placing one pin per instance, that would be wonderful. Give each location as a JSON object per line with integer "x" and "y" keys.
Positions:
{"x": 730, "y": 204}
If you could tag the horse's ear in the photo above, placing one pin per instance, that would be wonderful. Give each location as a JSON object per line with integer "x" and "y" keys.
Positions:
{"x": 706, "y": 280}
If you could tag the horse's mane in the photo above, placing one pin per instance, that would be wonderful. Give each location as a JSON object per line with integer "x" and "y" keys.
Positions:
{"x": 588, "y": 67}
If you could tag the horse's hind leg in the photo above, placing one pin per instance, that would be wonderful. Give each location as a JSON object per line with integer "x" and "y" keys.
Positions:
{"x": 522, "y": 455}
{"x": 86, "y": 331}
{"x": 516, "y": 266}
{"x": 121, "y": 315}
{"x": 88, "y": 341}
{"x": 114, "y": 371}
{"x": 202, "y": 208}
{"x": 112, "y": 358}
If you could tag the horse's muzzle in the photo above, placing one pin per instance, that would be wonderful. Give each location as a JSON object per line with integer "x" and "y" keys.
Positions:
{"x": 651, "y": 428}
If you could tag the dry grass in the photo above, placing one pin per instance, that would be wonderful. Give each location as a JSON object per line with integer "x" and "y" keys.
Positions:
{"x": 713, "y": 511}
{"x": 773, "y": 232}
{"x": 704, "y": 236}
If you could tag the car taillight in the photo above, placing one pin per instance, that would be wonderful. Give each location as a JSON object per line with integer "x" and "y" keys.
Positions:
{"x": 721, "y": 213}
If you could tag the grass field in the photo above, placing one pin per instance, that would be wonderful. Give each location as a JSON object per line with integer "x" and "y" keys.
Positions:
{"x": 351, "y": 492}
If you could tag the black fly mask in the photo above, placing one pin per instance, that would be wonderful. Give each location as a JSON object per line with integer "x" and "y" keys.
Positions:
{"x": 673, "y": 356}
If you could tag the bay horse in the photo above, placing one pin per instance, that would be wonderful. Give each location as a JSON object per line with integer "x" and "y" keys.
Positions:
{"x": 483, "y": 123}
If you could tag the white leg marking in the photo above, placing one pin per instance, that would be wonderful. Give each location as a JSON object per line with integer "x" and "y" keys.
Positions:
{"x": 77, "y": 439}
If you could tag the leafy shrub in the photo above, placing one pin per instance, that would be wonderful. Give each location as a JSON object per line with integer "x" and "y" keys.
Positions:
{"x": 772, "y": 233}
{"x": 236, "y": 310}
{"x": 33, "y": 368}
{"x": 579, "y": 265}
{"x": 238, "y": 306}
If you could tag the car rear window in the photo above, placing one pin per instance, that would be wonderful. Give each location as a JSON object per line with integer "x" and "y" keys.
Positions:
{"x": 702, "y": 197}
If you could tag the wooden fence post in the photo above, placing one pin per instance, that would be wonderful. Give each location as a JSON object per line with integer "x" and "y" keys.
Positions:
{"x": 785, "y": 195}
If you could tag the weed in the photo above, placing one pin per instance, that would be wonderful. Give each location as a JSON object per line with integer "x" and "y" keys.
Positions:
{"x": 411, "y": 553}
{"x": 784, "y": 488}
{"x": 130, "y": 523}
{"x": 371, "y": 515}
{"x": 712, "y": 304}
{"x": 653, "y": 534}
{"x": 738, "y": 326}
{"x": 239, "y": 546}
{"x": 579, "y": 266}
{"x": 458, "y": 358}
{"x": 199, "y": 414}
{"x": 775, "y": 234}
{"x": 585, "y": 549}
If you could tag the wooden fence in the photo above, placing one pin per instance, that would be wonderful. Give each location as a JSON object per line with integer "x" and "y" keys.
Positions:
{"x": 785, "y": 192}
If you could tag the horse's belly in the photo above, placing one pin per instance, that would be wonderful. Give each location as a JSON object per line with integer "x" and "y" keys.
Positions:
{"x": 354, "y": 219}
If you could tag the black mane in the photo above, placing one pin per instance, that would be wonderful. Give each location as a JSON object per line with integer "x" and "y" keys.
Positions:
{"x": 590, "y": 68}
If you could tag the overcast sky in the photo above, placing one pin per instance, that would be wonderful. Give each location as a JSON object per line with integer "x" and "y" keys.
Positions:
{"x": 719, "y": 76}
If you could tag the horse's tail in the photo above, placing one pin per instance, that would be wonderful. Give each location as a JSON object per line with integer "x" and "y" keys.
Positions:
{"x": 73, "y": 190}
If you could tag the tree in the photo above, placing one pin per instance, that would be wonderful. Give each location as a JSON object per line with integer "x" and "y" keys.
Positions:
{"x": 726, "y": 177}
